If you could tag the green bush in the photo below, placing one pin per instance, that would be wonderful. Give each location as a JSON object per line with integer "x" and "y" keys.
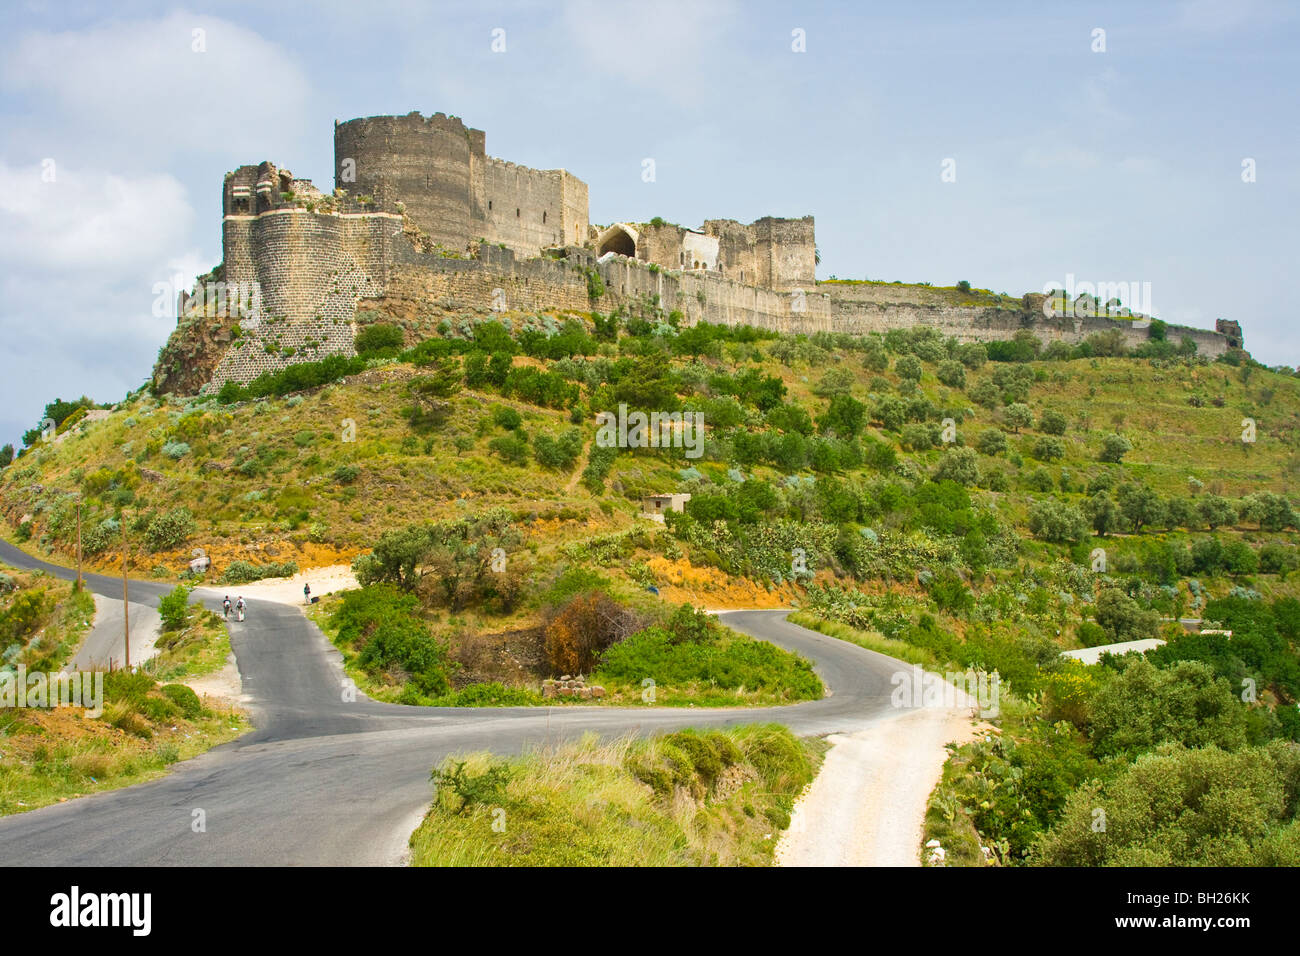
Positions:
{"x": 185, "y": 699}
{"x": 655, "y": 653}
{"x": 173, "y": 607}
{"x": 379, "y": 339}
{"x": 1179, "y": 807}
{"x": 242, "y": 572}
{"x": 170, "y": 530}
{"x": 512, "y": 449}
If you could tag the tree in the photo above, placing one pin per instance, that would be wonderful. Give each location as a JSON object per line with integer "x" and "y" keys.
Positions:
{"x": 973, "y": 354}
{"x": 1102, "y": 512}
{"x": 1216, "y": 511}
{"x": 1017, "y": 416}
{"x": 6, "y": 455}
{"x": 1049, "y": 448}
{"x": 844, "y": 417}
{"x": 890, "y": 412}
{"x": 986, "y": 394}
{"x": 908, "y": 367}
{"x": 874, "y": 357}
{"x": 1271, "y": 511}
{"x": 837, "y": 380}
{"x": 952, "y": 373}
{"x": 992, "y": 441}
{"x": 959, "y": 465}
{"x": 1181, "y": 513}
{"x": 1123, "y": 618}
{"x": 1113, "y": 448}
{"x": 1058, "y": 521}
{"x": 1052, "y": 422}
{"x": 1143, "y": 706}
{"x": 1139, "y": 505}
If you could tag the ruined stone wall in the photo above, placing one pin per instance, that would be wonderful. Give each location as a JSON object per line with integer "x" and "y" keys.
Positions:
{"x": 311, "y": 269}
{"x": 525, "y": 208}
{"x": 705, "y": 297}
{"x": 428, "y": 164}
{"x": 423, "y": 287}
{"x": 785, "y": 252}
{"x": 661, "y": 244}
{"x": 438, "y": 169}
{"x": 860, "y": 309}
{"x": 576, "y": 209}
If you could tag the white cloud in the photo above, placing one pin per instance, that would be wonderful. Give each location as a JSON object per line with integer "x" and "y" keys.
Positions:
{"x": 90, "y": 221}
{"x": 143, "y": 83}
{"x": 80, "y": 257}
{"x": 672, "y": 48}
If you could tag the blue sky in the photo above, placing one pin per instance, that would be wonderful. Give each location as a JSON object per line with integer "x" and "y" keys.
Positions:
{"x": 1122, "y": 165}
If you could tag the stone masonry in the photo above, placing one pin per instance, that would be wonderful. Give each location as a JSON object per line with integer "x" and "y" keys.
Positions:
{"x": 423, "y": 224}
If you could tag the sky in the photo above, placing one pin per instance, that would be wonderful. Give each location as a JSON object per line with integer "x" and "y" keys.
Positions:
{"x": 1013, "y": 145}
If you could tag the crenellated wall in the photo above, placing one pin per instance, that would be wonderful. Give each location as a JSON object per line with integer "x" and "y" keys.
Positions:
{"x": 424, "y": 225}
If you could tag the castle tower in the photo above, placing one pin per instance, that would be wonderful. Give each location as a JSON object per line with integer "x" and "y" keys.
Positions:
{"x": 439, "y": 170}
{"x": 430, "y": 165}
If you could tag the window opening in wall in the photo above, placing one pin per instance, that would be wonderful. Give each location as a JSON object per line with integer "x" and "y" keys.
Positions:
{"x": 489, "y": 205}
{"x": 543, "y": 217}
{"x": 516, "y": 213}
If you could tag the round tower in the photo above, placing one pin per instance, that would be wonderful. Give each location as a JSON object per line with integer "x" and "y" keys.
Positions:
{"x": 428, "y": 164}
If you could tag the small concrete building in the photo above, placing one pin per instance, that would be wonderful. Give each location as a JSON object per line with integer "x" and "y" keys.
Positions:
{"x": 654, "y": 506}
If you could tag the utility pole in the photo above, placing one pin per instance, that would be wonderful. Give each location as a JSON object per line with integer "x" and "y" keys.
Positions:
{"x": 79, "y": 582}
{"x": 126, "y": 622}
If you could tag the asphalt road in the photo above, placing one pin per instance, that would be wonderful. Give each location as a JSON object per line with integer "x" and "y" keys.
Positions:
{"x": 324, "y": 781}
{"x": 104, "y": 643}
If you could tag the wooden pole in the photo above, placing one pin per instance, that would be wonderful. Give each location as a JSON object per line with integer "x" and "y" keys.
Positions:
{"x": 126, "y": 623}
{"x": 79, "y": 584}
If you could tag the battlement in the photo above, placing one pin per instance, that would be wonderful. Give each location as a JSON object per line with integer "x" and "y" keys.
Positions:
{"x": 423, "y": 224}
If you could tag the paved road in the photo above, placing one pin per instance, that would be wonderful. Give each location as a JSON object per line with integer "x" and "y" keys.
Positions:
{"x": 322, "y": 781}
{"x": 104, "y": 646}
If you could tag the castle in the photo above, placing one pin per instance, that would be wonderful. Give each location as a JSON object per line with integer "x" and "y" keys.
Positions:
{"x": 423, "y": 224}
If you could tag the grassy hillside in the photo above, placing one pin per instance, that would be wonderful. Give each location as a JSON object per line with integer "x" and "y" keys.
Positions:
{"x": 148, "y": 722}
{"x": 719, "y": 798}
{"x": 983, "y": 508}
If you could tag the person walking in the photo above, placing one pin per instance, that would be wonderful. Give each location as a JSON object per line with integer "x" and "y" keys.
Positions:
{"x": 239, "y": 608}
{"x": 306, "y": 593}
{"x": 225, "y": 606}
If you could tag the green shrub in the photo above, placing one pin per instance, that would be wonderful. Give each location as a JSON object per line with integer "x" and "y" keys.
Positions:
{"x": 173, "y": 607}
{"x": 185, "y": 699}
{"x": 379, "y": 339}
{"x": 170, "y": 530}
{"x": 512, "y": 449}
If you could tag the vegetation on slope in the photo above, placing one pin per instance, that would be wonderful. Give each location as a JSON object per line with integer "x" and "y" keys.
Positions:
{"x": 148, "y": 722}
{"x": 987, "y": 506}
{"x": 691, "y": 798}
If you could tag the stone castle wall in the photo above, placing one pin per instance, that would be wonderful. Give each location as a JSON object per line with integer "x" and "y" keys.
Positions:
{"x": 405, "y": 238}
{"x": 315, "y": 269}
{"x": 439, "y": 170}
{"x": 880, "y": 307}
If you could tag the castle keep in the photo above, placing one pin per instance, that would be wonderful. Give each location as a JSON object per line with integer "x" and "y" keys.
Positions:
{"x": 424, "y": 224}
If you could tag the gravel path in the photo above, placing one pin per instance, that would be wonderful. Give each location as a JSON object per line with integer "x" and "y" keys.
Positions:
{"x": 867, "y": 805}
